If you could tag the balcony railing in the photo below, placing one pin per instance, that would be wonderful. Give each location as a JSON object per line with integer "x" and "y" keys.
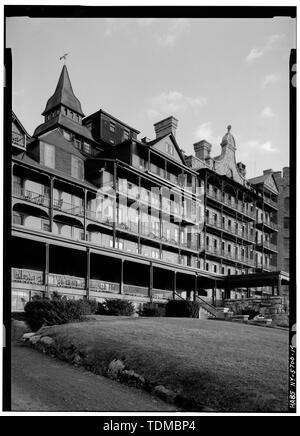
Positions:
{"x": 66, "y": 281}
{"x": 18, "y": 139}
{"x": 162, "y": 294}
{"x": 271, "y": 202}
{"x": 268, "y": 223}
{"x": 69, "y": 208}
{"x": 96, "y": 216}
{"x": 230, "y": 229}
{"x": 27, "y": 276}
{"x": 103, "y": 286}
{"x": 229, "y": 255}
{"x": 241, "y": 207}
{"x": 136, "y": 290}
{"x": 267, "y": 244}
{"x": 31, "y": 196}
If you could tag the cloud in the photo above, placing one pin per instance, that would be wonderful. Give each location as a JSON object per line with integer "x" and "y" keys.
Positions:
{"x": 174, "y": 29}
{"x": 205, "y": 131}
{"x": 165, "y": 32}
{"x": 267, "y": 113}
{"x": 258, "y": 146}
{"x": 256, "y": 53}
{"x": 269, "y": 79}
{"x": 173, "y": 102}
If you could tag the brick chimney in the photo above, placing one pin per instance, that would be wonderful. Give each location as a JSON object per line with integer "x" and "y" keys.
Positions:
{"x": 202, "y": 149}
{"x": 166, "y": 126}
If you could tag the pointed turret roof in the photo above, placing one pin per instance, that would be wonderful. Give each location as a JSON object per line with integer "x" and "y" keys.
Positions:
{"x": 64, "y": 95}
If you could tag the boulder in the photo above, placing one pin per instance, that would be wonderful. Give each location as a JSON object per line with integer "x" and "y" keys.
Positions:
{"x": 27, "y": 336}
{"x": 114, "y": 368}
{"x": 34, "y": 339}
{"x": 46, "y": 340}
{"x": 164, "y": 393}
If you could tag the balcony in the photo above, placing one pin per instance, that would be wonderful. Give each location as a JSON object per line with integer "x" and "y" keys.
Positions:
{"x": 31, "y": 196}
{"x": 229, "y": 255}
{"x": 96, "y": 216}
{"x": 103, "y": 286}
{"x": 230, "y": 229}
{"x": 18, "y": 140}
{"x": 66, "y": 281}
{"x": 267, "y": 223}
{"x": 21, "y": 275}
{"x": 232, "y": 204}
{"x": 270, "y": 246}
{"x": 68, "y": 208}
{"x": 271, "y": 202}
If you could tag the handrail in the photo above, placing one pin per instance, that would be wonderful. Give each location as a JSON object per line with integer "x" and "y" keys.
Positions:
{"x": 209, "y": 307}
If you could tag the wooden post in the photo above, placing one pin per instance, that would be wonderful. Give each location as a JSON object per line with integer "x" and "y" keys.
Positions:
{"x": 47, "y": 262}
{"x": 88, "y": 273}
{"x": 51, "y": 202}
{"x": 122, "y": 277}
{"x": 150, "y": 281}
{"x": 174, "y": 285}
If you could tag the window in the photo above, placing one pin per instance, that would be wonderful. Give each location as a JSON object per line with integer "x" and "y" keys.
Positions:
{"x": 77, "y": 144}
{"x": 215, "y": 268}
{"x": 67, "y": 135}
{"x": 286, "y": 264}
{"x": 112, "y": 127}
{"x": 76, "y": 168}
{"x": 17, "y": 218}
{"x": 47, "y": 155}
{"x": 126, "y": 135}
{"x": 286, "y": 222}
{"x": 87, "y": 148}
{"x": 287, "y": 203}
{"x": 286, "y": 243}
{"x": 207, "y": 266}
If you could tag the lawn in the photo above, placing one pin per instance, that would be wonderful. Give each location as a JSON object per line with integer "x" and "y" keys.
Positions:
{"x": 225, "y": 366}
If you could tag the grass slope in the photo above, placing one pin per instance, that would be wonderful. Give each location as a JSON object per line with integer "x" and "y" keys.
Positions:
{"x": 225, "y": 366}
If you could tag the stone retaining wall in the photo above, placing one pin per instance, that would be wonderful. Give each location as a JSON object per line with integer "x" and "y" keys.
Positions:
{"x": 268, "y": 306}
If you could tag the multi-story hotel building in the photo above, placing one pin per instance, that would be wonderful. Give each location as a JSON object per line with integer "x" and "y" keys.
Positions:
{"x": 98, "y": 213}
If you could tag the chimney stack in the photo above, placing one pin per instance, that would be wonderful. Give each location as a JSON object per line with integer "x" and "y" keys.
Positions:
{"x": 166, "y": 126}
{"x": 202, "y": 149}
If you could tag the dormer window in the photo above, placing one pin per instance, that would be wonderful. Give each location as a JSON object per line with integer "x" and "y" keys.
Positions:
{"x": 67, "y": 135}
{"x": 87, "y": 148}
{"x": 112, "y": 127}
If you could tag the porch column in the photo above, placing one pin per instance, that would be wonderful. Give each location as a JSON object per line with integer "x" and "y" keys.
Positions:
{"x": 51, "y": 202}
{"x": 150, "y": 281}
{"x": 88, "y": 273}
{"x": 213, "y": 296}
{"x": 248, "y": 293}
{"x": 279, "y": 285}
{"x": 195, "y": 287}
{"x": 174, "y": 285}
{"x": 47, "y": 261}
{"x": 122, "y": 277}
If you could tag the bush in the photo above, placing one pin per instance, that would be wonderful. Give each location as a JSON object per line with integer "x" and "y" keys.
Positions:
{"x": 153, "y": 309}
{"x": 57, "y": 310}
{"x": 183, "y": 308}
{"x": 115, "y": 306}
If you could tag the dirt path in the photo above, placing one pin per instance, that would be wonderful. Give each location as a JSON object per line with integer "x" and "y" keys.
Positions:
{"x": 41, "y": 383}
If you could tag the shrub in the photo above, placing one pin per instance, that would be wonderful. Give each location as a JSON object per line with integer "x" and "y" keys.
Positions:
{"x": 115, "y": 306}
{"x": 182, "y": 308}
{"x": 57, "y": 310}
{"x": 153, "y": 309}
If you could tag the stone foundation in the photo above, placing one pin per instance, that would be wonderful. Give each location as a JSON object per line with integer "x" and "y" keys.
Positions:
{"x": 268, "y": 306}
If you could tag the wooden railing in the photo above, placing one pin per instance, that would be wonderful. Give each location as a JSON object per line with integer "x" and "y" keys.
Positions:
{"x": 207, "y": 306}
{"x": 31, "y": 196}
{"x": 103, "y": 286}
{"x": 136, "y": 290}
{"x": 27, "y": 276}
{"x": 66, "y": 281}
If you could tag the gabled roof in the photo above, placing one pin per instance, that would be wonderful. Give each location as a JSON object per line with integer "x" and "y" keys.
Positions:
{"x": 267, "y": 180}
{"x": 16, "y": 120}
{"x": 55, "y": 137}
{"x": 64, "y": 95}
{"x": 64, "y": 121}
{"x": 156, "y": 141}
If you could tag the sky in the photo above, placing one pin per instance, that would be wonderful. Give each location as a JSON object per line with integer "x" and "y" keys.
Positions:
{"x": 208, "y": 73}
